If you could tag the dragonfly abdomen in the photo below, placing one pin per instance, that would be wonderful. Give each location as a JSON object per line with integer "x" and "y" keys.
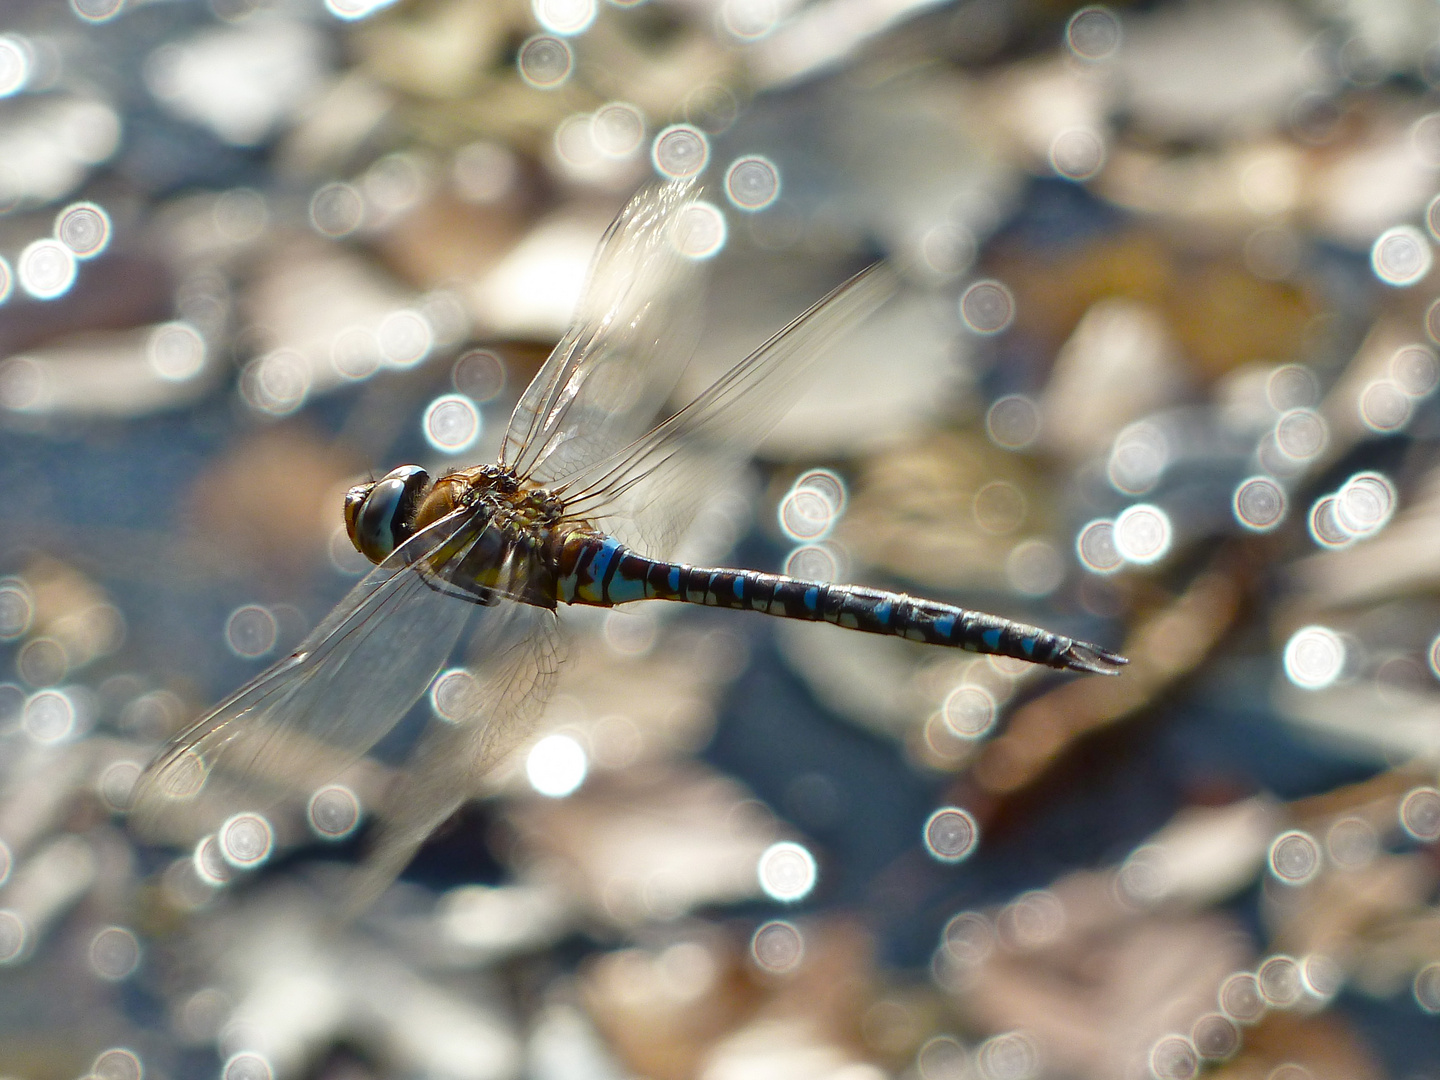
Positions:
{"x": 600, "y": 571}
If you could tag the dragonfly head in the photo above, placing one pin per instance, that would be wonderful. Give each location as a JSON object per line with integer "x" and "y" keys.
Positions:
{"x": 380, "y": 514}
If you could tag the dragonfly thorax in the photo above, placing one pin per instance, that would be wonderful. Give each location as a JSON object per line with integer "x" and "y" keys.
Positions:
{"x": 382, "y": 514}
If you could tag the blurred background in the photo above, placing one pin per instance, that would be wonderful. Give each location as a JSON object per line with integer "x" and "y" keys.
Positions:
{"x": 1161, "y": 375}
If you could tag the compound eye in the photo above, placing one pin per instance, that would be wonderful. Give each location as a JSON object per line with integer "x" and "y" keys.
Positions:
{"x": 385, "y": 516}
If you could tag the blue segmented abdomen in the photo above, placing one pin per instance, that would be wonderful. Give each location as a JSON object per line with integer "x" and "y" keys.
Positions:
{"x": 600, "y": 571}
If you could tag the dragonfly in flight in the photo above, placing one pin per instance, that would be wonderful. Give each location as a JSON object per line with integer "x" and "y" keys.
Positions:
{"x": 586, "y": 501}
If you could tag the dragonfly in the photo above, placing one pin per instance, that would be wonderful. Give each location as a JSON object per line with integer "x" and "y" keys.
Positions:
{"x": 585, "y": 507}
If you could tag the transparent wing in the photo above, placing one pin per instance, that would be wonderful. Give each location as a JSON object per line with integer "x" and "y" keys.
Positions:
{"x": 648, "y": 493}
{"x": 634, "y": 331}
{"x": 515, "y": 657}
{"x": 350, "y": 682}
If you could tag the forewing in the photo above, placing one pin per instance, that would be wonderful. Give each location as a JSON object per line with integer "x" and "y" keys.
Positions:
{"x": 305, "y": 719}
{"x": 649, "y": 493}
{"x": 634, "y": 331}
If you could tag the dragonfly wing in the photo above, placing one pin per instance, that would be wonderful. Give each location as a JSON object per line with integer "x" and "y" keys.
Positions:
{"x": 350, "y": 682}
{"x": 634, "y": 330}
{"x": 648, "y": 493}
{"x": 514, "y": 660}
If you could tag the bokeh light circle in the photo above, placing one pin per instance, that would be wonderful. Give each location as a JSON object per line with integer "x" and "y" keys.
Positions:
{"x": 1077, "y": 153}
{"x": 999, "y": 507}
{"x": 941, "y": 1057}
{"x": 1426, "y": 988}
{"x": 97, "y": 11}
{"x": 1011, "y": 1056}
{"x": 245, "y": 840}
{"x": 987, "y": 307}
{"x": 1401, "y": 256}
{"x": 700, "y": 231}
{"x": 1240, "y": 998}
{"x": 451, "y": 424}
{"x": 247, "y": 1065}
{"x": 479, "y": 374}
{"x": 114, "y": 953}
{"x": 752, "y": 183}
{"x": 617, "y": 129}
{"x": 116, "y": 784}
{"x": 1416, "y": 370}
{"x": 1314, "y": 657}
{"x": 15, "y": 64}
{"x": 46, "y": 269}
{"x": 251, "y": 631}
{"x": 1384, "y": 407}
{"x": 50, "y": 717}
{"x": 405, "y": 338}
{"x": 1280, "y": 981}
{"x": 968, "y": 939}
{"x": 1034, "y": 567}
{"x": 951, "y": 834}
{"x": 17, "y": 608}
{"x": 15, "y": 936}
{"x": 176, "y": 351}
{"x": 277, "y": 383}
{"x": 1352, "y": 843}
{"x": 787, "y": 871}
{"x": 1174, "y": 1057}
{"x": 545, "y": 61}
{"x": 1420, "y": 814}
{"x": 749, "y": 20}
{"x": 1143, "y": 534}
{"x": 1301, "y": 434}
{"x": 1365, "y": 504}
{"x": 453, "y": 695}
{"x": 813, "y": 562}
{"x": 1294, "y": 857}
{"x": 1095, "y": 547}
{"x": 333, "y": 812}
{"x": 1138, "y": 458}
{"x": 679, "y": 151}
{"x": 1215, "y": 1036}
{"x": 556, "y": 766}
{"x": 778, "y": 947}
{"x": 1325, "y": 527}
{"x": 566, "y": 17}
{"x": 970, "y": 711}
{"x": 812, "y": 506}
{"x": 117, "y": 1063}
{"x": 1259, "y": 504}
{"x": 355, "y": 353}
{"x": 1292, "y": 386}
{"x": 1013, "y": 422}
{"x": 84, "y": 228}
{"x": 805, "y": 515}
{"x": 209, "y": 864}
{"x": 337, "y": 210}
{"x": 1093, "y": 33}
{"x": 354, "y": 11}
{"x": 1322, "y": 976}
